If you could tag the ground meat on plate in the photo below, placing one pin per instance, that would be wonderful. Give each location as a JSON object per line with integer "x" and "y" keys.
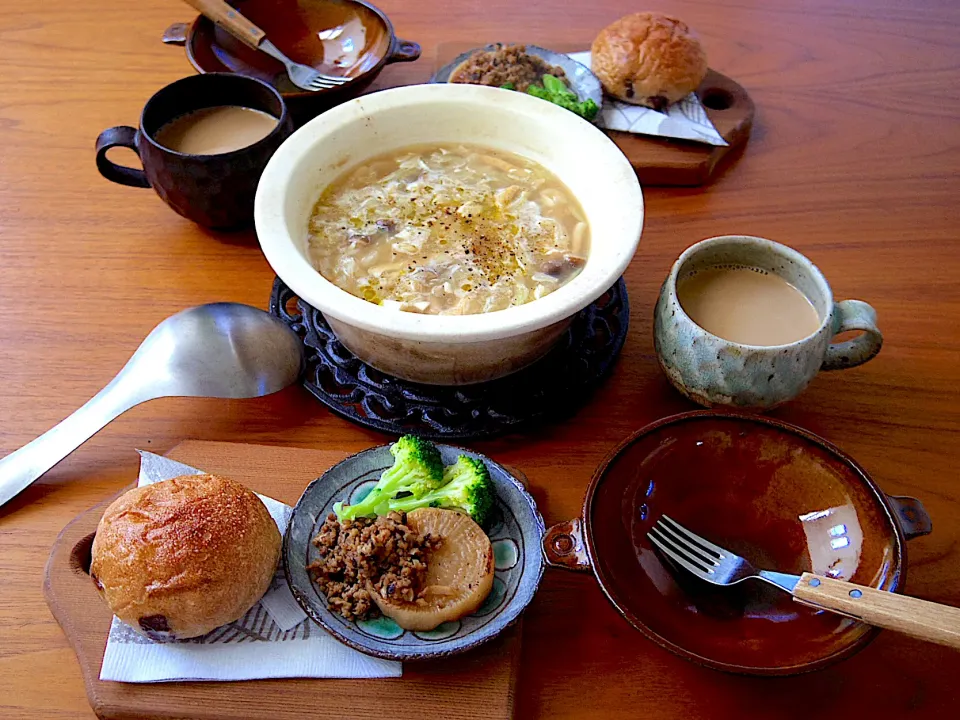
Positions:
{"x": 507, "y": 64}
{"x": 356, "y": 556}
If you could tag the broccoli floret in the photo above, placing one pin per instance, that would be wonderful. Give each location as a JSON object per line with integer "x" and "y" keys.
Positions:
{"x": 417, "y": 469}
{"x": 556, "y": 86}
{"x": 588, "y": 109}
{"x": 466, "y": 486}
{"x": 540, "y": 92}
{"x": 554, "y": 90}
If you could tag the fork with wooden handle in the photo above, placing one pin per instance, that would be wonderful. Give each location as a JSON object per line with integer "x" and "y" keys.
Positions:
{"x": 230, "y": 19}
{"x": 911, "y": 616}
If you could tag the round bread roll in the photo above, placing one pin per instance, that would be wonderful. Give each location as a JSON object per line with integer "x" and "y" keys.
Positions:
{"x": 648, "y": 59}
{"x": 181, "y": 557}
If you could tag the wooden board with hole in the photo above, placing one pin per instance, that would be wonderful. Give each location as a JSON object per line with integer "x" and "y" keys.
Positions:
{"x": 661, "y": 161}
{"x": 478, "y": 684}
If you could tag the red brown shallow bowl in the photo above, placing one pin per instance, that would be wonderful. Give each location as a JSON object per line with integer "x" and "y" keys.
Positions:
{"x": 764, "y": 489}
{"x": 339, "y": 37}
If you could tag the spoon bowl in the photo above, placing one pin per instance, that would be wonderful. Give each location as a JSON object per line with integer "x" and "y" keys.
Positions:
{"x": 220, "y": 350}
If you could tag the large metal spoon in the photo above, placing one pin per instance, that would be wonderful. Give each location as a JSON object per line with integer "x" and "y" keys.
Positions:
{"x": 222, "y": 350}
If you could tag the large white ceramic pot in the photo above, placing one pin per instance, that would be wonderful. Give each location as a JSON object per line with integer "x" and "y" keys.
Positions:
{"x": 449, "y": 350}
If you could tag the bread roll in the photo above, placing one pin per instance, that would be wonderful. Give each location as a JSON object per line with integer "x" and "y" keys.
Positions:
{"x": 181, "y": 557}
{"x": 648, "y": 59}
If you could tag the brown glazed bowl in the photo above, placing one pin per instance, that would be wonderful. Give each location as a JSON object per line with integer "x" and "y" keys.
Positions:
{"x": 338, "y": 37}
{"x": 766, "y": 490}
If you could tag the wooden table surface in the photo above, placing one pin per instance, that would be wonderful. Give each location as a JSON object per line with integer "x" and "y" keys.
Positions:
{"x": 854, "y": 160}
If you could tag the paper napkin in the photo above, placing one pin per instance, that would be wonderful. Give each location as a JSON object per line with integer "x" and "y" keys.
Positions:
{"x": 273, "y": 640}
{"x": 685, "y": 120}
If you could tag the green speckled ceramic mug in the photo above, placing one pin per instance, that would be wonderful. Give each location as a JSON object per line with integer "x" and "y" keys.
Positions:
{"x": 713, "y": 371}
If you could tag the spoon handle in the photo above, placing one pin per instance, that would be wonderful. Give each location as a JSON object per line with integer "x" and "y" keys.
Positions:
{"x": 230, "y": 19}
{"x": 20, "y": 468}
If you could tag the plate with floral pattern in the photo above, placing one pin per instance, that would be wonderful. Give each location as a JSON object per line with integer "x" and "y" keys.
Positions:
{"x": 515, "y": 531}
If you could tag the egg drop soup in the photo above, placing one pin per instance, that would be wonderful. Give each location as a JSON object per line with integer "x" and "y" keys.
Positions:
{"x": 448, "y": 230}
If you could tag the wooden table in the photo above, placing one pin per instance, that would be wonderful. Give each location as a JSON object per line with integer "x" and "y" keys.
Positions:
{"x": 854, "y": 160}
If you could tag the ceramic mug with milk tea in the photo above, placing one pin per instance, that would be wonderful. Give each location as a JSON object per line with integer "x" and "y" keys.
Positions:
{"x": 746, "y": 322}
{"x": 203, "y": 142}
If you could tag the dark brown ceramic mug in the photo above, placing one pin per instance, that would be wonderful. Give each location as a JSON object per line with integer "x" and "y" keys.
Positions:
{"x": 216, "y": 191}
{"x": 773, "y": 493}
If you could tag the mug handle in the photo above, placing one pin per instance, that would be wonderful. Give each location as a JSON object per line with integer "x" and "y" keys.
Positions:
{"x": 403, "y": 51}
{"x": 563, "y": 546}
{"x": 120, "y": 136}
{"x": 854, "y": 315}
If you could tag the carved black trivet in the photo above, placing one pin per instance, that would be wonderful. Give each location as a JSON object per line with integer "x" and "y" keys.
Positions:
{"x": 550, "y": 389}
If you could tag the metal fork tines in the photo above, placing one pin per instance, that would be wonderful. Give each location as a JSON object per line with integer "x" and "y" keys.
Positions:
{"x": 303, "y": 76}
{"x": 232, "y": 20}
{"x": 706, "y": 560}
{"x": 919, "y": 618}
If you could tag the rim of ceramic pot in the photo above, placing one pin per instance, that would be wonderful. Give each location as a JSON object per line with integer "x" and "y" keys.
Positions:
{"x": 619, "y": 208}
{"x": 793, "y": 255}
{"x": 898, "y": 578}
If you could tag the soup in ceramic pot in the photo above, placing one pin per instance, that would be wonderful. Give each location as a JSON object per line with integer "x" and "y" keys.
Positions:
{"x": 448, "y": 230}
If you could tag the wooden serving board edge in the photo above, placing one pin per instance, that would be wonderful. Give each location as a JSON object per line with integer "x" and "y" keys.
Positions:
{"x": 478, "y": 684}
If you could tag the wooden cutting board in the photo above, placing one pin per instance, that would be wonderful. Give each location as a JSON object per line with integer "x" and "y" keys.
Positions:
{"x": 478, "y": 684}
{"x": 661, "y": 161}
{"x": 683, "y": 162}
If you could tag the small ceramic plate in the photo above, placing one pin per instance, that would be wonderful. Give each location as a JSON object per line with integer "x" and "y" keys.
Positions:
{"x": 516, "y": 532}
{"x": 579, "y": 76}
